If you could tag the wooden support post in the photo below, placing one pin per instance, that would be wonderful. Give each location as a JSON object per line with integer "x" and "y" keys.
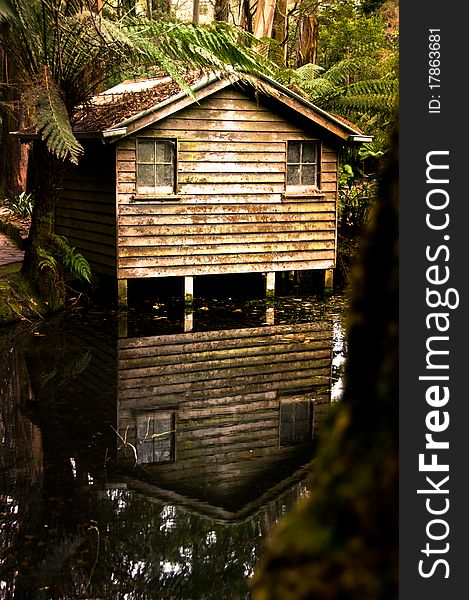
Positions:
{"x": 270, "y": 284}
{"x": 122, "y": 293}
{"x": 270, "y": 316}
{"x": 329, "y": 281}
{"x": 188, "y": 320}
{"x": 122, "y": 330}
{"x": 188, "y": 290}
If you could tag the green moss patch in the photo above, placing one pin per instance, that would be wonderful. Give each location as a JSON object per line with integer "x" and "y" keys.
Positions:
{"x": 18, "y": 298}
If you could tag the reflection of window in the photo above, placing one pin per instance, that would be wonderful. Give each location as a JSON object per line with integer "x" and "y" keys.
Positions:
{"x": 155, "y": 437}
{"x": 155, "y": 166}
{"x": 302, "y": 164}
{"x": 295, "y": 422}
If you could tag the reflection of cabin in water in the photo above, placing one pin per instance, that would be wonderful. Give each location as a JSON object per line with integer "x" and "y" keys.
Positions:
{"x": 237, "y": 178}
{"x": 222, "y": 421}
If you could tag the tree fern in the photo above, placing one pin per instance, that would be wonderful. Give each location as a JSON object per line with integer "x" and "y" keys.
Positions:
{"x": 60, "y": 255}
{"x": 52, "y": 119}
{"x": 74, "y": 262}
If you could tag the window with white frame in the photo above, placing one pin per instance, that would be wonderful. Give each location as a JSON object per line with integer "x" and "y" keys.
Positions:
{"x": 155, "y": 437}
{"x": 156, "y": 166}
{"x": 302, "y": 164}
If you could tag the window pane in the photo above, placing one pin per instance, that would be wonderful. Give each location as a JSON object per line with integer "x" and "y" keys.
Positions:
{"x": 293, "y": 152}
{"x": 309, "y": 152}
{"x": 146, "y": 176}
{"x": 295, "y": 422}
{"x": 293, "y": 174}
{"x": 155, "y": 437}
{"x": 164, "y": 175}
{"x": 146, "y": 152}
{"x": 308, "y": 174}
{"x": 168, "y": 152}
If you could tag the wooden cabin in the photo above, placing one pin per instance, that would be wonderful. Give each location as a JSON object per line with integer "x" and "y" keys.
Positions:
{"x": 240, "y": 176}
{"x": 222, "y": 421}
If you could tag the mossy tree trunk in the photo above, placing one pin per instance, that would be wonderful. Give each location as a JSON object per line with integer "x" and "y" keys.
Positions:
{"x": 13, "y": 155}
{"x": 48, "y": 172}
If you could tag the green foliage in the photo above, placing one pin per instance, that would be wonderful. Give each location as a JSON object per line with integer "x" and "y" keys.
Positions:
{"x": 21, "y": 205}
{"x": 177, "y": 47}
{"x": 356, "y": 75}
{"x": 353, "y": 36}
{"x": 65, "y": 53}
{"x": 60, "y": 255}
{"x": 357, "y": 192}
{"x": 52, "y": 119}
{"x": 19, "y": 300}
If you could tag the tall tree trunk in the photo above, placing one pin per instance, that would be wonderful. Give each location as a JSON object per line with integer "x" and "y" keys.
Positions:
{"x": 196, "y": 12}
{"x": 264, "y": 19}
{"x": 307, "y": 40}
{"x": 13, "y": 155}
{"x": 49, "y": 172}
{"x": 279, "y": 28}
{"x": 222, "y": 10}
{"x": 246, "y": 16}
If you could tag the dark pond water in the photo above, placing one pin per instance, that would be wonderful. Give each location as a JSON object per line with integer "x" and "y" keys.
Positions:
{"x": 150, "y": 454}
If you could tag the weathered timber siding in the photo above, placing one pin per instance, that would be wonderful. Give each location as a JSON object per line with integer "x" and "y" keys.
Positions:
{"x": 86, "y": 211}
{"x": 231, "y": 215}
{"x": 227, "y": 390}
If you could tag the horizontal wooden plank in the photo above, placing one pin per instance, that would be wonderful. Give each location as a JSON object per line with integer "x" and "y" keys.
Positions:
{"x": 206, "y": 113}
{"x": 153, "y": 242}
{"x": 327, "y": 178}
{"x": 237, "y": 249}
{"x": 125, "y": 144}
{"x": 128, "y": 223}
{"x": 261, "y": 196}
{"x": 127, "y": 155}
{"x": 223, "y": 157}
{"x": 238, "y": 167}
{"x": 91, "y": 248}
{"x": 86, "y": 185}
{"x": 220, "y": 431}
{"x": 85, "y": 226}
{"x": 104, "y": 244}
{"x": 244, "y": 351}
{"x": 222, "y": 388}
{"x": 146, "y": 209}
{"x": 222, "y": 259}
{"x": 80, "y": 212}
{"x": 205, "y": 125}
{"x": 139, "y": 376}
{"x": 126, "y": 165}
{"x": 285, "y": 333}
{"x": 194, "y": 270}
{"x": 232, "y": 146}
{"x": 327, "y": 224}
{"x": 227, "y": 445}
{"x": 230, "y": 188}
{"x": 217, "y": 135}
{"x": 232, "y": 104}
{"x": 127, "y": 176}
{"x": 254, "y": 177}
{"x": 96, "y": 201}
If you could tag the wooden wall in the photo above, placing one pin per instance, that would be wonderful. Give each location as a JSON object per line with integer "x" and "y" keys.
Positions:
{"x": 232, "y": 216}
{"x": 227, "y": 391}
{"x": 86, "y": 211}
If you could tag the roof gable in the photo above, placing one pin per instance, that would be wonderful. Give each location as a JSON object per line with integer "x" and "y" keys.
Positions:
{"x": 135, "y": 104}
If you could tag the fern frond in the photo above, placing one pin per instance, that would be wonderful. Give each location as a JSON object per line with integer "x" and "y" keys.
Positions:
{"x": 7, "y": 10}
{"x": 74, "y": 262}
{"x": 52, "y": 119}
{"x": 46, "y": 260}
